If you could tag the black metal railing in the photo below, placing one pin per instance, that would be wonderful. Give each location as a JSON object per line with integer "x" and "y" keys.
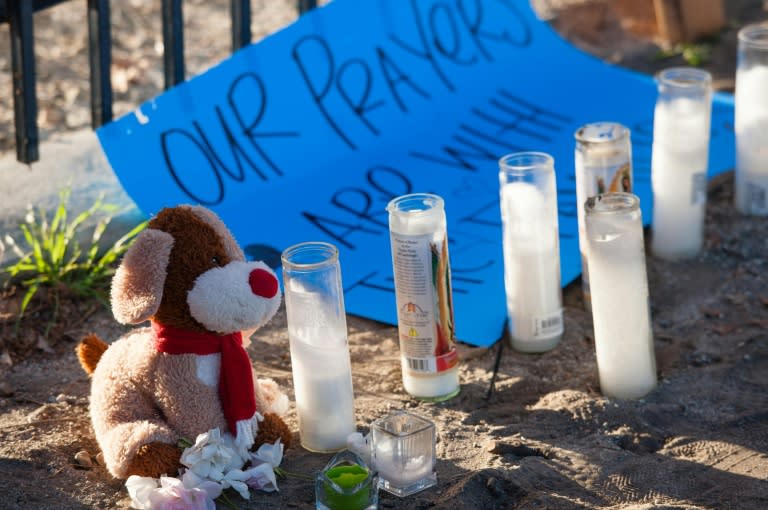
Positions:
{"x": 19, "y": 14}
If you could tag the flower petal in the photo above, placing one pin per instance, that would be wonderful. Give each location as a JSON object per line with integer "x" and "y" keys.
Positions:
{"x": 261, "y": 477}
{"x": 139, "y": 489}
{"x": 269, "y": 453}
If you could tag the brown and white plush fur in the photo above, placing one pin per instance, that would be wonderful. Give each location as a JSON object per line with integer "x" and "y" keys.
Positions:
{"x": 184, "y": 271}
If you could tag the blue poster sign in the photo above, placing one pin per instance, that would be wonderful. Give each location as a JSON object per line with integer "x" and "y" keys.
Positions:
{"x": 309, "y": 133}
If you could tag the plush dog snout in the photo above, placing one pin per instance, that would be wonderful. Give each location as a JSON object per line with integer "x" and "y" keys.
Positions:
{"x": 262, "y": 283}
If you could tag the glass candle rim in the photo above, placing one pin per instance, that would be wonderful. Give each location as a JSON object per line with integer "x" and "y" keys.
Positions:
{"x": 621, "y": 129}
{"x": 618, "y": 202}
{"x": 436, "y": 203}
{"x": 536, "y": 161}
{"x": 369, "y": 475}
{"x": 307, "y": 246}
{"x": 349, "y": 458}
{"x": 746, "y": 36}
{"x": 684, "y": 77}
{"x": 426, "y": 424}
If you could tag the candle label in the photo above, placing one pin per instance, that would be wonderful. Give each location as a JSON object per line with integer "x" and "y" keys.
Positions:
{"x": 593, "y": 179}
{"x": 585, "y": 290}
{"x": 425, "y": 309}
{"x": 608, "y": 179}
{"x": 548, "y": 326}
{"x": 699, "y": 188}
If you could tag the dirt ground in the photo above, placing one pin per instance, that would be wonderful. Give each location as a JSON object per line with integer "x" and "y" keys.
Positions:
{"x": 545, "y": 438}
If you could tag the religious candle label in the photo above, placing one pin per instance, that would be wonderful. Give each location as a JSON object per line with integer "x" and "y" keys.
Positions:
{"x": 425, "y": 313}
{"x": 549, "y": 326}
{"x": 699, "y": 188}
{"x": 608, "y": 179}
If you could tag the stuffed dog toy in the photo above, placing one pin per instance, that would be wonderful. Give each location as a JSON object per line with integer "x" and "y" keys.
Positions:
{"x": 188, "y": 372}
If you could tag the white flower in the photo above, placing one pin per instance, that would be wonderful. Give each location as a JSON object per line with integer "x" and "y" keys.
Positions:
{"x": 261, "y": 477}
{"x": 139, "y": 488}
{"x": 189, "y": 493}
{"x": 235, "y": 479}
{"x": 271, "y": 454}
{"x": 213, "y": 465}
{"x": 212, "y": 455}
{"x": 361, "y": 445}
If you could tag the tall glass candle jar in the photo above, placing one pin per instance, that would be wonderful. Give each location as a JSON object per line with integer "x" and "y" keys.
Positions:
{"x": 317, "y": 330}
{"x": 620, "y": 311}
{"x": 681, "y": 125}
{"x": 418, "y": 234}
{"x": 531, "y": 250}
{"x": 752, "y": 121}
{"x": 603, "y": 165}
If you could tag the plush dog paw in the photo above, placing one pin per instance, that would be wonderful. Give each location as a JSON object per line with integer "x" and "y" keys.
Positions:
{"x": 155, "y": 459}
{"x": 271, "y": 429}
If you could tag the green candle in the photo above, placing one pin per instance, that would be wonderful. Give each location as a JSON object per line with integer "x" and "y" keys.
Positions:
{"x": 347, "y": 477}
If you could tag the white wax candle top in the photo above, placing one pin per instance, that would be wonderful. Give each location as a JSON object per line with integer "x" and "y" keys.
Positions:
{"x": 416, "y": 214}
{"x": 415, "y": 222}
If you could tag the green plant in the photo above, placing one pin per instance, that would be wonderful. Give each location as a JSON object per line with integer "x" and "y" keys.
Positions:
{"x": 694, "y": 54}
{"x": 55, "y": 258}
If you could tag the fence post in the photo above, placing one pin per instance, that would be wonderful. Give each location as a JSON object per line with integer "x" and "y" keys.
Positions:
{"x": 241, "y": 23}
{"x": 306, "y": 5}
{"x": 100, "y": 59}
{"x": 23, "y": 72}
{"x": 173, "y": 42}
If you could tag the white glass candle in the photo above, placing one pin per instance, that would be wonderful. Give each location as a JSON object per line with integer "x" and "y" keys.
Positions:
{"x": 531, "y": 250}
{"x": 419, "y": 239}
{"x": 403, "y": 447}
{"x": 681, "y": 125}
{"x": 317, "y": 330}
{"x": 752, "y": 121}
{"x": 620, "y": 311}
{"x": 603, "y": 165}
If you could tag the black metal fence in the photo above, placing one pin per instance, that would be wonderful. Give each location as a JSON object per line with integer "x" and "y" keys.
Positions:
{"x": 19, "y": 14}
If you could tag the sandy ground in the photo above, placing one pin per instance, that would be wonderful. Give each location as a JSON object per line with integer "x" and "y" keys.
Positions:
{"x": 545, "y": 438}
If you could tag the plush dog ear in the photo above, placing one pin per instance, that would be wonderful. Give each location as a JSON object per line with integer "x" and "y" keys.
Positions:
{"x": 137, "y": 287}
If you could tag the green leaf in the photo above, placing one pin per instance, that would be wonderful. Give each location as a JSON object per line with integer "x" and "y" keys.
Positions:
{"x": 31, "y": 291}
{"x": 60, "y": 216}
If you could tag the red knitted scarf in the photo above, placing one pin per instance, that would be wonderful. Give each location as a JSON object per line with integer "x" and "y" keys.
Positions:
{"x": 235, "y": 377}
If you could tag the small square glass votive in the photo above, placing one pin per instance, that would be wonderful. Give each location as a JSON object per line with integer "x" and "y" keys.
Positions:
{"x": 403, "y": 453}
{"x": 346, "y": 483}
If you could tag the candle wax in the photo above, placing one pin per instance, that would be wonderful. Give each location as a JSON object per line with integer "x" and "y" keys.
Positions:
{"x": 679, "y": 175}
{"x": 620, "y": 309}
{"x": 323, "y": 392}
{"x": 531, "y": 267}
{"x": 322, "y": 373}
{"x": 751, "y": 101}
{"x": 397, "y": 467}
{"x": 429, "y": 222}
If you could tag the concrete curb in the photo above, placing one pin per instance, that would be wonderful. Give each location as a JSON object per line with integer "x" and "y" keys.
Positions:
{"x": 73, "y": 160}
